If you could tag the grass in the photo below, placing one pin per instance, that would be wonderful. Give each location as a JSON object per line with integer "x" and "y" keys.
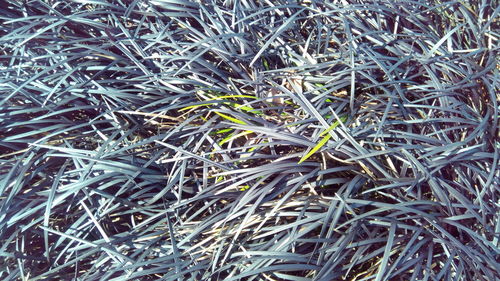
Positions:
{"x": 249, "y": 140}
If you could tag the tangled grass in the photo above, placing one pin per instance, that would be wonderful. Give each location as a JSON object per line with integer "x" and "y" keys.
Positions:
{"x": 249, "y": 140}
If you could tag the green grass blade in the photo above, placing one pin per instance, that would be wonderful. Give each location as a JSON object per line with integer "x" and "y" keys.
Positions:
{"x": 320, "y": 144}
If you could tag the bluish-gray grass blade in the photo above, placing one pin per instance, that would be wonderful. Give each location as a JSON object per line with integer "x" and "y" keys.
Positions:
{"x": 277, "y": 32}
{"x": 381, "y": 274}
{"x": 193, "y": 155}
{"x": 49, "y": 206}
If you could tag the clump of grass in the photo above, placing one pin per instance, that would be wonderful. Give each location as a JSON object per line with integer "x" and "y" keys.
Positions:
{"x": 249, "y": 140}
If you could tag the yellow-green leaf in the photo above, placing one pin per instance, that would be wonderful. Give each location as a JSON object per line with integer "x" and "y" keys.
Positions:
{"x": 265, "y": 63}
{"x": 245, "y": 187}
{"x": 232, "y": 119}
{"x": 316, "y": 148}
{"x": 324, "y": 140}
{"x": 224, "y": 131}
{"x": 334, "y": 125}
{"x": 194, "y": 106}
{"x": 233, "y": 96}
{"x": 232, "y": 136}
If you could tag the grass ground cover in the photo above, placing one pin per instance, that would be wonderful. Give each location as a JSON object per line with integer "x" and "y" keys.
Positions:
{"x": 249, "y": 140}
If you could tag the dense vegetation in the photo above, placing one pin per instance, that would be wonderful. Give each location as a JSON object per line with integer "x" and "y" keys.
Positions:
{"x": 249, "y": 140}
